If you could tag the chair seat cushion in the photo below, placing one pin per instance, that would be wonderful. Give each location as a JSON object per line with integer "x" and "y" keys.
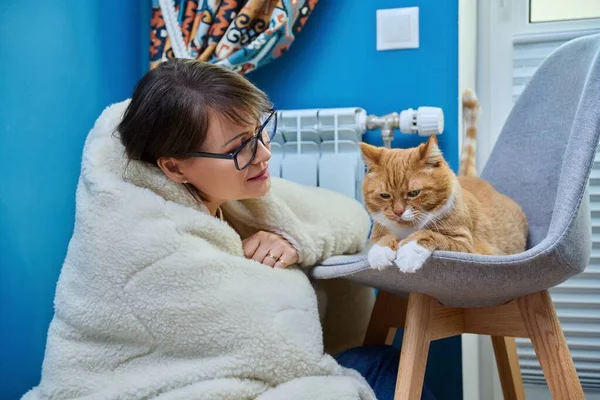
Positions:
{"x": 460, "y": 279}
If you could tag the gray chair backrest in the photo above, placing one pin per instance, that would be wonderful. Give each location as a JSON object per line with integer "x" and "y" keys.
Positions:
{"x": 544, "y": 154}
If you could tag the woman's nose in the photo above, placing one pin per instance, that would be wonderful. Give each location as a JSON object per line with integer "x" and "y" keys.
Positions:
{"x": 263, "y": 153}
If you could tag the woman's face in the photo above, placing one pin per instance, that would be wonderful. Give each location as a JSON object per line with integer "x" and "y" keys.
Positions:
{"x": 218, "y": 179}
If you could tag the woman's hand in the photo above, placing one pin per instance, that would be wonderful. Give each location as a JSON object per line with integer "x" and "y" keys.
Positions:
{"x": 270, "y": 249}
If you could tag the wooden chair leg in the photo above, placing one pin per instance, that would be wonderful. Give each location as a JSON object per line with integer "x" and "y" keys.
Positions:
{"x": 415, "y": 347}
{"x": 550, "y": 346}
{"x": 509, "y": 370}
{"x": 388, "y": 313}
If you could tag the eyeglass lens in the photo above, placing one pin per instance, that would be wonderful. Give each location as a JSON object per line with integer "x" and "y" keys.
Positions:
{"x": 248, "y": 152}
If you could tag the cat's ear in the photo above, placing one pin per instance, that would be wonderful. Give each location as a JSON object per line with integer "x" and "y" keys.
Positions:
{"x": 431, "y": 153}
{"x": 371, "y": 154}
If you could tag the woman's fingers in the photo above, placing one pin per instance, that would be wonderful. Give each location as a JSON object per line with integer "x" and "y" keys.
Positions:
{"x": 270, "y": 249}
{"x": 266, "y": 241}
{"x": 289, "y": 257}
{"x": 261, "y": 253}
{"x": 271, "y": 257}
{"x": 274, "y": 250}
{"x": 250, "y": 245}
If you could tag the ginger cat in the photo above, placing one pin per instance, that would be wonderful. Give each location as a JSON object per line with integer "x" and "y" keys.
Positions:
{"x": 419, "y": 205}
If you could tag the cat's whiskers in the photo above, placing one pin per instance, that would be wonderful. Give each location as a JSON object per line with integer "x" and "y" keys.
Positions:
{"x": 437, "y": 224}
{"x": 379, "y": 218}
{"x": 428, "y": 220}
{"x": 420, "y": 216}
{"x": 393, "y": 226}
{"x": 440, "y": 223}
{"x": 409, "y": 214}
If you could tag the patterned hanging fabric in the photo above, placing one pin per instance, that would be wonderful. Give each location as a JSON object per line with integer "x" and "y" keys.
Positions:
{"x": 239, "y": 34}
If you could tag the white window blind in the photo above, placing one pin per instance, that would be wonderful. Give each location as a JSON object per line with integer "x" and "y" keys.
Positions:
{"x": 577, "y": 300}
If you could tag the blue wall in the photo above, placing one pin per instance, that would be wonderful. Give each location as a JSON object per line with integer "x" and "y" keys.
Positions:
{"x": 334, "y": 63}
{"x": 60, "y": 66}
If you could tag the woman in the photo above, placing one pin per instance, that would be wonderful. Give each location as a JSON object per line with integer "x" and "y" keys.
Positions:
{"x": 180, "y": 280}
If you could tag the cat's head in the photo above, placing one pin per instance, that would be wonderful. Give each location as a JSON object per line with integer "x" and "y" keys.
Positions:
{"x": 407, "y": 187}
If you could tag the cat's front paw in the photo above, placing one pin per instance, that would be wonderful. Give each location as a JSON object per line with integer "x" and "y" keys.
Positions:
{"x": 411, "y": 257}
{"x": 381, "y": 257}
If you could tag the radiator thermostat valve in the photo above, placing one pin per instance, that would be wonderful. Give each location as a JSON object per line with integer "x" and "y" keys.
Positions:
{"x": 425, "y": 121}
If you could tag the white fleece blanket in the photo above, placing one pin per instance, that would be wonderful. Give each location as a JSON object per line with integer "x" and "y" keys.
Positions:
{"x": 155, "y": 298}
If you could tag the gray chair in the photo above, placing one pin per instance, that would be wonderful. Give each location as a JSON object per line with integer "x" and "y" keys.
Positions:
{"x": 542, "y": 160}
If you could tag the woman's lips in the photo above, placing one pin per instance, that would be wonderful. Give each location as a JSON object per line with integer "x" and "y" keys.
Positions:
{"x": 264, "y": 174}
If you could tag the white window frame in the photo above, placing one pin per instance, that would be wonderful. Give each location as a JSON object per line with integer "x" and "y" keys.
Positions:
{"x": 500, "y": 24}
{"x": 522, "y": 26}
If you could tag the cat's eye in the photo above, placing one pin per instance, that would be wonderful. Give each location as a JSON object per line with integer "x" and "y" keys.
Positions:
{"x": 385, "y": 196}
{"x": 413, "y": 193}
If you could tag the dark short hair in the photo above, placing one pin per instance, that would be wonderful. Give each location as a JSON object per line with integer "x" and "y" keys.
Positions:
{"x": 168, "y": 115}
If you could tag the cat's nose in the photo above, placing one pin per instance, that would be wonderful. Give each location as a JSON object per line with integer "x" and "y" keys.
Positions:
{"x": 399, "y": 211}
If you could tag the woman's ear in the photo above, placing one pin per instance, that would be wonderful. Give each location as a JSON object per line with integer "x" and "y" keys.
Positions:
{"x": 172, "y": 169}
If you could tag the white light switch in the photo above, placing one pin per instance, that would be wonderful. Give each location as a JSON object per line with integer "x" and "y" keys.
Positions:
{"x": 398, "y": 28}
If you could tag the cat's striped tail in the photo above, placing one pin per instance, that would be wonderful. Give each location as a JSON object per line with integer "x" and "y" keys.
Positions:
{"x": 471, "y": 112}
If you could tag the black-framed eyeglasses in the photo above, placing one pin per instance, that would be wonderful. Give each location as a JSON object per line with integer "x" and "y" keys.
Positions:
{"x": 245, "y": 153}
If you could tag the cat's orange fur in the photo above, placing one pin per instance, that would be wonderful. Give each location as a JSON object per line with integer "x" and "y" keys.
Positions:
{"x": 463, "y": 213}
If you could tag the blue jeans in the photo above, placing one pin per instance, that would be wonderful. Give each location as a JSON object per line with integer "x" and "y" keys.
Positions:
{"x": 379, "y": 366}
